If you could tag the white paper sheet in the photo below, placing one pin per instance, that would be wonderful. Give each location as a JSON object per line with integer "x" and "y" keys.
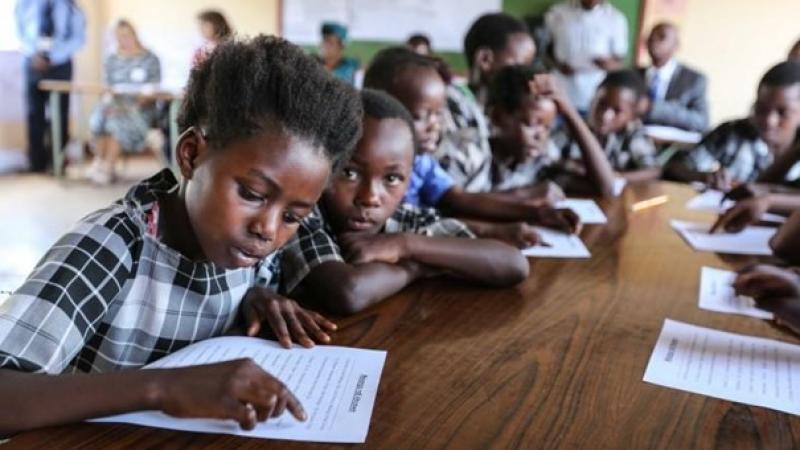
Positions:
{"x": 619, "y": 186}
{"x": 672, "y": 134}
{"x": 744, "y": 369}
{"x": 588, "y": 210}
{"x": 711, "y": 200}
{"x": 717, "y": 294}
{"x": 562, "y": 245}
{"x": 751, "y": 241}
{"x": 336, "y": 385}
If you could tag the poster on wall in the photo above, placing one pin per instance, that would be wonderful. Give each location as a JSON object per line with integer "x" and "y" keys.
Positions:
{"x": 444, "y": 21}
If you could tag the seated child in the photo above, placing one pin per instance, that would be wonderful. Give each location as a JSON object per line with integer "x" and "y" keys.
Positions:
{"x": 364, "y": 245}
{"x": 741, "y": 150}
{"x": 523, "y": 106}
{"x": 178, "y": 261}
{"x": 493, "y": 41}
{"x": 414, "y": 81}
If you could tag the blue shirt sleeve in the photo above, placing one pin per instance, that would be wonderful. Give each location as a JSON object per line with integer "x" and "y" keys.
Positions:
{"x": 429, "y": 180}
{"x": 70, "y": 29}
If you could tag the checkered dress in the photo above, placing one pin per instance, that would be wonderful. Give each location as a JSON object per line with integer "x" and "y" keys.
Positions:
{"x": 314, "y": 243}
{"x": 109, "y": 295}
{"x": 628, "y": 149}
{"x": 736, "y": 147}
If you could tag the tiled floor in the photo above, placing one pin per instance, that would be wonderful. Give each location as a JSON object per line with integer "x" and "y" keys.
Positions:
{"x": 35, "y": 210}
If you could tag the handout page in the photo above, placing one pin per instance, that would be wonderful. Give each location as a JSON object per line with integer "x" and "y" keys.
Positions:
{"x": 717, "y": 294}
{"x": 711, "y": 201}
{"x": 588, "y": 210}
{"x": 561, "y": 245}
{"x": 735, "y": 367}
{"x": 336, "y": 386}
{"x": 751, "y": 241}
{"x": 619, "y": 186}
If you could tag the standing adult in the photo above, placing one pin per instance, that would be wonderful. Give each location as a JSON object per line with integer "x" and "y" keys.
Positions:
{"x": 214, "y": 29}
{"x": 590, "y": 38}
{"x": 334, "y": 40}
{"x": 677, "y": 92}
{"x": 51, "y": 32}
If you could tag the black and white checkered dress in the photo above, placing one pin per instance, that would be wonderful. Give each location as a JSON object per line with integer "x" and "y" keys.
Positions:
{"x": 109, "y": 295}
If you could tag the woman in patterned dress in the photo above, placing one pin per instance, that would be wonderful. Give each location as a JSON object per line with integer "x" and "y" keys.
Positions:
{"x": 121, "y": 121}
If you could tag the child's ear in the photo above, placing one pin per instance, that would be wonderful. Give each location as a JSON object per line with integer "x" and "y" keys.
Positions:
{"x": 642, "y": 106}
{"x": 484, "y": 58}
{"x": 187, "y": 151}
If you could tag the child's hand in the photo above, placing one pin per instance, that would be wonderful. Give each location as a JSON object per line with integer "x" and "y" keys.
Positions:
{"x": 763, "y": 282}
{"x": 359, "y": 248}
{"x": 546, "y": 193}
{"x": 745, "y": 190}
{"x": 286, "y": 318}
{"x": 518, "y": 234}
{"x": 237, "y": 390}
{"x": 742, "y": 214}
{"x": 562, "y": 219}
{"x": 546, "y": 85}
{"x": 719, "y": 179}
{"x": 786, "y": 311}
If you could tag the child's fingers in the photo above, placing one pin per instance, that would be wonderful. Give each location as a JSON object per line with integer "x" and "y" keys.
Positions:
{"x": 322, "y": 321}
{"x": 294, "y": 407}
{"x": 298, "y": 332}
{"x": 721, "y": 222}
{"x": 278, "y": 325}
{"x": 252, "y": 319}
{"x": 311, "y": 326}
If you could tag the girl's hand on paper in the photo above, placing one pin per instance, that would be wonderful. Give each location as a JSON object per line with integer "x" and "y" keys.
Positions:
{"x": 562, "y": 219}
{"x": 764, "y": 282}
{"x": 237, "y": 390}
{"x": 742, "y": 214}
{"x": 287, "y": 319}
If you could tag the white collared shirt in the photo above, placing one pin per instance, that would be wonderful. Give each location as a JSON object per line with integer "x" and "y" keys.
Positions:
{"x": 665, "y": 74}
{"x": 580, "y": 36}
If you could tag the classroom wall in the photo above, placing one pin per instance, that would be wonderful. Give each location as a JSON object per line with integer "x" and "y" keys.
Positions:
{"x": 735, "y": 47}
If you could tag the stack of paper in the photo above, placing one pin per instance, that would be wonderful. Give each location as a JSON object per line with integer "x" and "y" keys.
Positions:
{"x": 588, "y": 210}
{"x": 744, "y": 369}
{"x": 717, "y": 294}
{"x": 559, "y": 245}
{"x": 751, "y": 241}
{"x": 336, "y": 385}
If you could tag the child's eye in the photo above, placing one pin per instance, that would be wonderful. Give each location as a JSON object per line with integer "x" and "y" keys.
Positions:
{"x": 291, "y": 218}
{"x": 349, "y": 174}
{"x": 394, "y": 179}
{"x": 249, "y": 195}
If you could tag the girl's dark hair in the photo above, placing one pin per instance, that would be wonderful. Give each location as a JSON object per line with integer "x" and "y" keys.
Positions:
{"x": 380, "y": 105}
{"x": 510, "y": 86}
{"x": 246, "y": 87}
{"x": 221, "y": 28}
{"x": 626, "y": 78}
{"x": 491, "y": 30}
{"x": 783, "y": 74}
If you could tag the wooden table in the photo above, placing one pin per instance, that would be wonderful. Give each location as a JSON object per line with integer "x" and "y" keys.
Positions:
{"x": 58, "y": 87}
{"x": 556, "y": 363}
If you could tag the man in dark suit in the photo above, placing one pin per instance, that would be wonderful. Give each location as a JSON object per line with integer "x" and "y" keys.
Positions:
{"x": 677, "y": 93}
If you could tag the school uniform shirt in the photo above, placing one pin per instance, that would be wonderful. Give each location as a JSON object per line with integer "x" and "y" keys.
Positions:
{"x": 464, "y": 151}
{"x": 428, "y": 182}
{"x": 508, "y": 174}
{"x": 580, "y": 36}
{"x": 55, "y": 27}
{"x": 736, "y": 147}
{"x": 109, "y": 295}
{"x": 628, "y": 149}
{"x": 315, "y": 244}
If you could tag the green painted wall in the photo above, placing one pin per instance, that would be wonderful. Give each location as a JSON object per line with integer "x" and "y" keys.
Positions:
{"x": 364, "y": 50}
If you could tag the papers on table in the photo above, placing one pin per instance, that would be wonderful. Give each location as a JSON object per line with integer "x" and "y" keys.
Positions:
{"x": 587, "y": 210}
{"x": 734, "y": 367}
{"x": 619, "y": 186}
{"x": 711, "y": 200}
{"x": 562, "y": 245}
{"x": 336, "y": 385}
{"x": 672, "y": 134}
{"x": 717, "y": 294}
{"x": 751, "y": 241}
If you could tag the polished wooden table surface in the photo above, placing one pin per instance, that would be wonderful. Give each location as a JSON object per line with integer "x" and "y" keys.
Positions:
{"x": 556, "y": 363}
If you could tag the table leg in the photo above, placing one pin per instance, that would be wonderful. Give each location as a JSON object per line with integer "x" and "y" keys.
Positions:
{"x": 55, "y": 128}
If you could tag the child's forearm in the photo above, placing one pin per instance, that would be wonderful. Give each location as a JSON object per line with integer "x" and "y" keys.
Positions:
{"x": 33, "y": 400}
{"x": 347, "y": 289}
{"x": 678, "y": 171}
{"x": 786, "y": 203}
{"x": 482, "y": 260}
{"x": 597, "y": 166}
{"x": 652, "y": 173}
{"x": 485, "y": 206}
